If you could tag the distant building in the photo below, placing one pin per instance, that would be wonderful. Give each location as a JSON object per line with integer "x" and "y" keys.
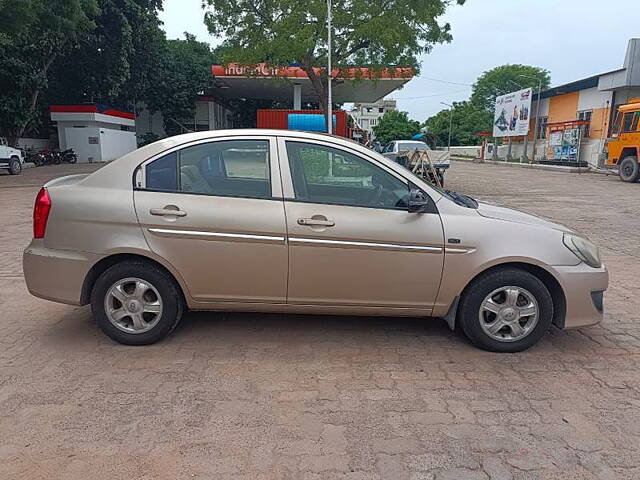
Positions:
{"x": 367, "y": 115}
{"x": 589, "y": 103}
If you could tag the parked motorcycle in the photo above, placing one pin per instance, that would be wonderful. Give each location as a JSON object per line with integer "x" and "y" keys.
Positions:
{"x": 51, "y": 157}
{"x": 37, "y": 158}
{"x": 68, "y": 156}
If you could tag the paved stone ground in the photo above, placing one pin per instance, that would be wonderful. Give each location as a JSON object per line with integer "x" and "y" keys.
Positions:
{"x": 299, "y": 397}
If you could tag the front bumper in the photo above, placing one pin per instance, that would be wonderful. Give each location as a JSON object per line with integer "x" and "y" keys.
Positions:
{"x": 56, "y": 275}
{"x": 583, "y": 287}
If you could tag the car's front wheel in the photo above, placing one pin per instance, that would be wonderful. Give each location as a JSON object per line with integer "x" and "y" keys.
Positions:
{"x": 506, "y": 310}
{"x": 136, "y": 303}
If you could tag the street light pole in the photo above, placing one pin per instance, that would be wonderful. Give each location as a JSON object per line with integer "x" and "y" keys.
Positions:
{"x": 329, "y": 113}
{"x": 450, "y": 124}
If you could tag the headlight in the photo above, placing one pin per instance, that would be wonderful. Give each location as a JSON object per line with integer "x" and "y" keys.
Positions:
{"x": 583, "y": 249}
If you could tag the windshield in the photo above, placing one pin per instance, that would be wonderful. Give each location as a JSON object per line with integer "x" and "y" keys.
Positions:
{"x": 412, "y": 146}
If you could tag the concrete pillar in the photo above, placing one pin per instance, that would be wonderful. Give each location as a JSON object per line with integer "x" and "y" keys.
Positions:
{"x": 297, "y": 96}
{"x": 212, "y": 116}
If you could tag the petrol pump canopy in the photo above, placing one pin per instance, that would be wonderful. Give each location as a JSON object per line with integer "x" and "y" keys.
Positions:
{"x": 352, "y": 84}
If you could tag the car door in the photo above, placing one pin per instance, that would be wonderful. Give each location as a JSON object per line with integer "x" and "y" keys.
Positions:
{"x": 214, "y": 210}
{"x": 352, "y": 241}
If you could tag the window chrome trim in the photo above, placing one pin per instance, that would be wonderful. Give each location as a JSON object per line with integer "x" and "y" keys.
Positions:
{"x": 274, "y": 164}
{"x": 347, "y": 243}
{"x": 198, "y": 233}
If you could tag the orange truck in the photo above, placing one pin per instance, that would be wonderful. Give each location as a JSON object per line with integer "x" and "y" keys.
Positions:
{"x": 623, "y": 148}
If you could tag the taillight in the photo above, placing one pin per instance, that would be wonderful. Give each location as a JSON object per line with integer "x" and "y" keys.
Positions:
{"x": 41, "y": 211}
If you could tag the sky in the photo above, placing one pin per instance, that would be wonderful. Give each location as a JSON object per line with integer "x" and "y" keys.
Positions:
{"x": 573, "y": 39}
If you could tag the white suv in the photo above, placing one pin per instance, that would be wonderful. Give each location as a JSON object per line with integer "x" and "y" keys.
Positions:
{"x": 10, "y": 158}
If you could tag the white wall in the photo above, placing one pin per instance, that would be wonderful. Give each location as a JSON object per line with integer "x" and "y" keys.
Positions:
{"x": 34, "y": 143}
{"x": 592, "y": 98}
{"x": 471, "y": 150}
{"x": 115, "y": 143}
{"x": 623, "y": 96}
{"x": 589, "y": 151}
{"x": 78, "y": 139}
{"x": 544, "y": 108}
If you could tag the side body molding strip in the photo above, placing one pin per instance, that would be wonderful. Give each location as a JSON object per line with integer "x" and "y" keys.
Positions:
{"x": 280, "y": 239}
{"x": 393, "y": 246}
{"x": 196, "y": 233}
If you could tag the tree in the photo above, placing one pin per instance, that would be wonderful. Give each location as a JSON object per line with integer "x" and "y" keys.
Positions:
{"x": 467, "y": 121}
{"x": 185, "y": 73}
{"x": 17, "y": 17}
{"x": 395, "y": 125}
{"x": 375, "y": 33}
{"x": 505, "y": 79}
{"x": 116, "y": 62}
{"x": 28, "y": 54}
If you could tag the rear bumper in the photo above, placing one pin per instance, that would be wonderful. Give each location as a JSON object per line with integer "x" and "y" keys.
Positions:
{"x": 583, "y": 289}
{"x": 56, "y": 275}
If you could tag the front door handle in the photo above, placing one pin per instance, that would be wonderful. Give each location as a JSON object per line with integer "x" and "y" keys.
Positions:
{"x": 315, "y": 222}
{"x": 167, "y": 211}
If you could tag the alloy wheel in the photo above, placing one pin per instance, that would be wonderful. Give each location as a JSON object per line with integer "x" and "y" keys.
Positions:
{"x": 133, "y": 305}
{"x": 509, "y": 313}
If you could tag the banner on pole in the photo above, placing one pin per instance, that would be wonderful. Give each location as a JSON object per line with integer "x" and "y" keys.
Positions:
{"x": 512, "y": 113}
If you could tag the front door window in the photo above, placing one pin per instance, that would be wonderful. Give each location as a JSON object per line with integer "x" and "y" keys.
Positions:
{"x": 323, "y": 174}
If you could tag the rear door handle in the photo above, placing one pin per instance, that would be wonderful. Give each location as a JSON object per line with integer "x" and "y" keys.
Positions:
{"x": 165, "y": 212}
{"x": 314, "y": 222}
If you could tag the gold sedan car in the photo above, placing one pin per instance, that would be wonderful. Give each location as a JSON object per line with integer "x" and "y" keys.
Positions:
{"x": 284, "y": 221}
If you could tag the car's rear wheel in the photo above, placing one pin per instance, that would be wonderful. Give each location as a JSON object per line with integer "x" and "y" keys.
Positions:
{"x": 629, "y": 170}
{"x": 15, "y": 167}
{"x": 506, "y": 310}
{"x": 136, "y": 303}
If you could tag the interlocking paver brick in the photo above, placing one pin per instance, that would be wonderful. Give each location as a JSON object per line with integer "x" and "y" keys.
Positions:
{"x": 236, "y": 396}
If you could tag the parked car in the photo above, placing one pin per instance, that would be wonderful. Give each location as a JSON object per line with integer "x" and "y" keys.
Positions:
{"x": 11, "y": 159}
{"x": 397, "y": 150}
{"x": 285, "y": 221}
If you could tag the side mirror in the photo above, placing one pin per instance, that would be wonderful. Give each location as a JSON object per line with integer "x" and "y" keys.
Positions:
{"x": 418, "y": 201}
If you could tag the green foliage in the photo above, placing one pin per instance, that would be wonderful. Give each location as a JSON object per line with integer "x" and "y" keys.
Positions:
{"x": 117, "y": 61}
{"x": 52, "y": 29}
{"x": 504, "y": 79}
{"x": 103, "y": 51}
{"x": 467, "y": 120}
{"x": 185, "y": 72}
{"x": 17, "y": 17}
{"x": 375, "y": 33}
{"x": 395, "y": 125}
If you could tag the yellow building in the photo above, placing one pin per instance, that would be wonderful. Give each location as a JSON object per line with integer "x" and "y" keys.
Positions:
{"x": 588, "y": 104}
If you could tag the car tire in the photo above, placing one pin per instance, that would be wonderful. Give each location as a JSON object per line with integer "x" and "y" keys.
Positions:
{"x": 629, "y": 170}
{"x": 496, "y": 311}
{"x": 136, "y": 303}
{"x": 15, "y": 167}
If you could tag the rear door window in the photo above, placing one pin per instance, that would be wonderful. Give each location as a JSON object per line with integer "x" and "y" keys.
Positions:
{"x": 226, "y": 168}
{"x": 162, "y": 174}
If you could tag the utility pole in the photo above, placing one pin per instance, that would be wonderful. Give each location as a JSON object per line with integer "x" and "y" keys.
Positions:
{"x": 450, "y": 124}
{"x": 329, "y": 112}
